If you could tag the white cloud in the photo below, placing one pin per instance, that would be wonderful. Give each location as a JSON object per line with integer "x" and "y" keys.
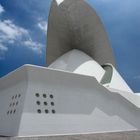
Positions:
{"x": 1, "y": 9}
{"x": 59, "y": 1}
{"x": 34, "y": 46}
{"x": 137, "y": 77}
{"x": 10, "y": 33}
{"x": 43, "y": 26}
{"x": 3, "y": 48}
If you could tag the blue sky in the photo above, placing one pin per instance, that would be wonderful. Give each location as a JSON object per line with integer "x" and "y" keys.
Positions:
{"x": 23, "y": 26}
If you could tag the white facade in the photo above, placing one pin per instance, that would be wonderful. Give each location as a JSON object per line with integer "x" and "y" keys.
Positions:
{"x": 78, "y": 62}
{"x": 41, "y": 101}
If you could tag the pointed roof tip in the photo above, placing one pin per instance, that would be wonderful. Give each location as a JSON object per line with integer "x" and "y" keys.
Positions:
{"x": 67, "y": 15}
{"x": 61, "y": 1}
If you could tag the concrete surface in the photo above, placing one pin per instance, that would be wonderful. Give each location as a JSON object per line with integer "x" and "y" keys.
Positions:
{"x": 99, "y": 110}
{"x": 75, "y": 25}
{"x": 131, "y": 135}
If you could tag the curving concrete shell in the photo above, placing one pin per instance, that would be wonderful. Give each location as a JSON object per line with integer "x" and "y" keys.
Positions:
{"x": 73, "y": 24}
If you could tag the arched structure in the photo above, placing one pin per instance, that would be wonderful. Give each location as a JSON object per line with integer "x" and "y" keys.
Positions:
{"x": 73, "y": 24}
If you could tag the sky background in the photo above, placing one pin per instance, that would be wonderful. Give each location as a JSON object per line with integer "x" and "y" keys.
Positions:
{"x": 23, "y": 27}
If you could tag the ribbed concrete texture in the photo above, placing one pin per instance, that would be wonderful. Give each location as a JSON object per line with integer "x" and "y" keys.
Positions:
{"x": 73, "y": 24}
{"x": 131, "y": 135}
